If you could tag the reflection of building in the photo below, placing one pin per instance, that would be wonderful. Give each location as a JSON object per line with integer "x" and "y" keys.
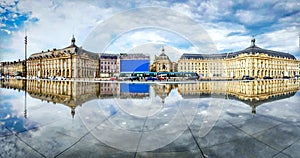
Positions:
{"x": 69, "y": 93}
{"x": 73, "y": 94}
{"x": 252, "y": 61}
{"x": 298, "y": 67}
{"x": 12, "y": 68}
{"x": 162, "y": 63}
{"x": 13, "y": 84}
{"x": 133, "y": 90}
{"x": 252, "y": 93}
{"x": 69, "y": 62}
{"x": 163, "y": 90}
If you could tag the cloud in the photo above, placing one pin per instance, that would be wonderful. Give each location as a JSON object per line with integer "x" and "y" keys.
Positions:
{"x": 230, "y": 25}
{"x": 285, "y": 40}
{"x": 172, "y": 21}
{"x": 7, "y": 31}
{"x": 250, "y": 17}
{"x": 55, "y": 25}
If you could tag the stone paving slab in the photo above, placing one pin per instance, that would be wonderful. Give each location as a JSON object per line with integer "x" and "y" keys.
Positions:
{"x": 279, "y": 137}
{"x": 52, "y": 139}
{"x": 293, "y": 150}
{"x": 89, "y": 146}
{"x": 222, "y": 132}
{"x": 257, "y": 124}
{"x": 11, "y": 146}
{"x": 245, "y": 147}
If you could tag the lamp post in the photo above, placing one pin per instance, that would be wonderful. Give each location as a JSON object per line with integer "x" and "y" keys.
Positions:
{"x": 25, "y": 71}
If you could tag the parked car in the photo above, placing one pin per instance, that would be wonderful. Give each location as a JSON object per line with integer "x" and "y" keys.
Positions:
{"x": 60, "y": 78}
{"x": 162, "y": 77}
{"x": 286, "y": 77}
{"x": 247, "y": 78}
{"x": 51, "y": 78}
{"x": 191, "y": 76}
{"x": 18, "y": 77}
{"x": 267, "y": 77}
{"x": 134, "y": 78}
{"x": 151, "y": 78}
{"x": 113, "y": 78}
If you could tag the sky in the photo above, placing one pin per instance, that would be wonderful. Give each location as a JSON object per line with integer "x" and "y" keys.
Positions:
{"x": 186, "y": 26}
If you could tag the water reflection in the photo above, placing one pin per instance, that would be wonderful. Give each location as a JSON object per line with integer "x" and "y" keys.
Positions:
{"x": 147, "y": 116}
{"x": 73, "y": 94}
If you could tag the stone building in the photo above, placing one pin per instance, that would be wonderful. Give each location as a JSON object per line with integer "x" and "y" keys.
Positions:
{"x": 252, "y": 61}
{"x": 114, "y": 64}
{"x": 14, "y": 68}
{"x": 109, "y": 64}
{"x": 69, "y": 62}
{"x": 162, "y": 63}
{"x": 134, "y": 63}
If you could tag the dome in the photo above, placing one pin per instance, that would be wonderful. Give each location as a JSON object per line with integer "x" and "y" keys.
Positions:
{"x": 163, "y": 56}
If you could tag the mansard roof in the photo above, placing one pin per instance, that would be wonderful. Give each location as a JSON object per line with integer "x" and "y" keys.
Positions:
{"x": 203, "y": 56}
{"x": 108, "y": 56}
{"x": 71, "y": 49}
{"x": 253, "y": 49}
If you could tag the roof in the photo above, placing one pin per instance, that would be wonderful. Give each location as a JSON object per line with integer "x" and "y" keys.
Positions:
{"x": 253, "y": 49}
{"x": 108, "y": 56}
{"x": 77, "y": 51}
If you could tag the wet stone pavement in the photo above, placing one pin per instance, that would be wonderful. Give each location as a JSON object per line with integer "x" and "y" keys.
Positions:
{"x": 149, "y": 120}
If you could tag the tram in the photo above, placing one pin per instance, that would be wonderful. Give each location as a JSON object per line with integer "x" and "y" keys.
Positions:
{"x": 161, "y": 76}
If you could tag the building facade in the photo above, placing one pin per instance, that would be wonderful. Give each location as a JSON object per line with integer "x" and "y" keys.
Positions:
{"x": 109, "y": 64}
{"x": 134, "y": 63}
{"x": 69, "y": 62}
{"x": 14, "y": 68}
{"x": 252, "y": 61}
{"x": 114, "y": 64}
{"x": 162, "y": 63}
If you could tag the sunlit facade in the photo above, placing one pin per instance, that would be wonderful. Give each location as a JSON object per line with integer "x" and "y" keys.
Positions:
{"x": 69, "y": 62}
{"x": 252, "y": 61}
{"x": 162, "y": 63}
{"x": 12, "y": 68}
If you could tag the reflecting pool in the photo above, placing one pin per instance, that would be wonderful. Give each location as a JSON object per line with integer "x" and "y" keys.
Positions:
{"x": 44, "y": 118}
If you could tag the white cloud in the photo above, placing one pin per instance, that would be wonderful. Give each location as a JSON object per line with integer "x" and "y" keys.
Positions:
{"x": 285, "y": 40}
{"x": 160, "y": 18}
{"x": 59, "y": 20}
{"x": 2, "y": 10}
{"x": 55, "y": 26}
{"x": 7, "y": 31}
{"x": 219, "y": 33}
{"x": 251, "y": 17}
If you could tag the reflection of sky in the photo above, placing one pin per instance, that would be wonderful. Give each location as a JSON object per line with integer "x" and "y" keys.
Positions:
{"x": 11, "y": 114}
{"x": 110, "y": 120}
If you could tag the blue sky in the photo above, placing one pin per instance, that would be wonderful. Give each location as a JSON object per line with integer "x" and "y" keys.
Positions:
{"x": 230, "y": 25}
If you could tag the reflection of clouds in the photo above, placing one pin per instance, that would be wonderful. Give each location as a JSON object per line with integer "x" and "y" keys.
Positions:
{"x": 144, "y": 124}
{"x": 285, "y": 110}
{"x": 125, "y": 123}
